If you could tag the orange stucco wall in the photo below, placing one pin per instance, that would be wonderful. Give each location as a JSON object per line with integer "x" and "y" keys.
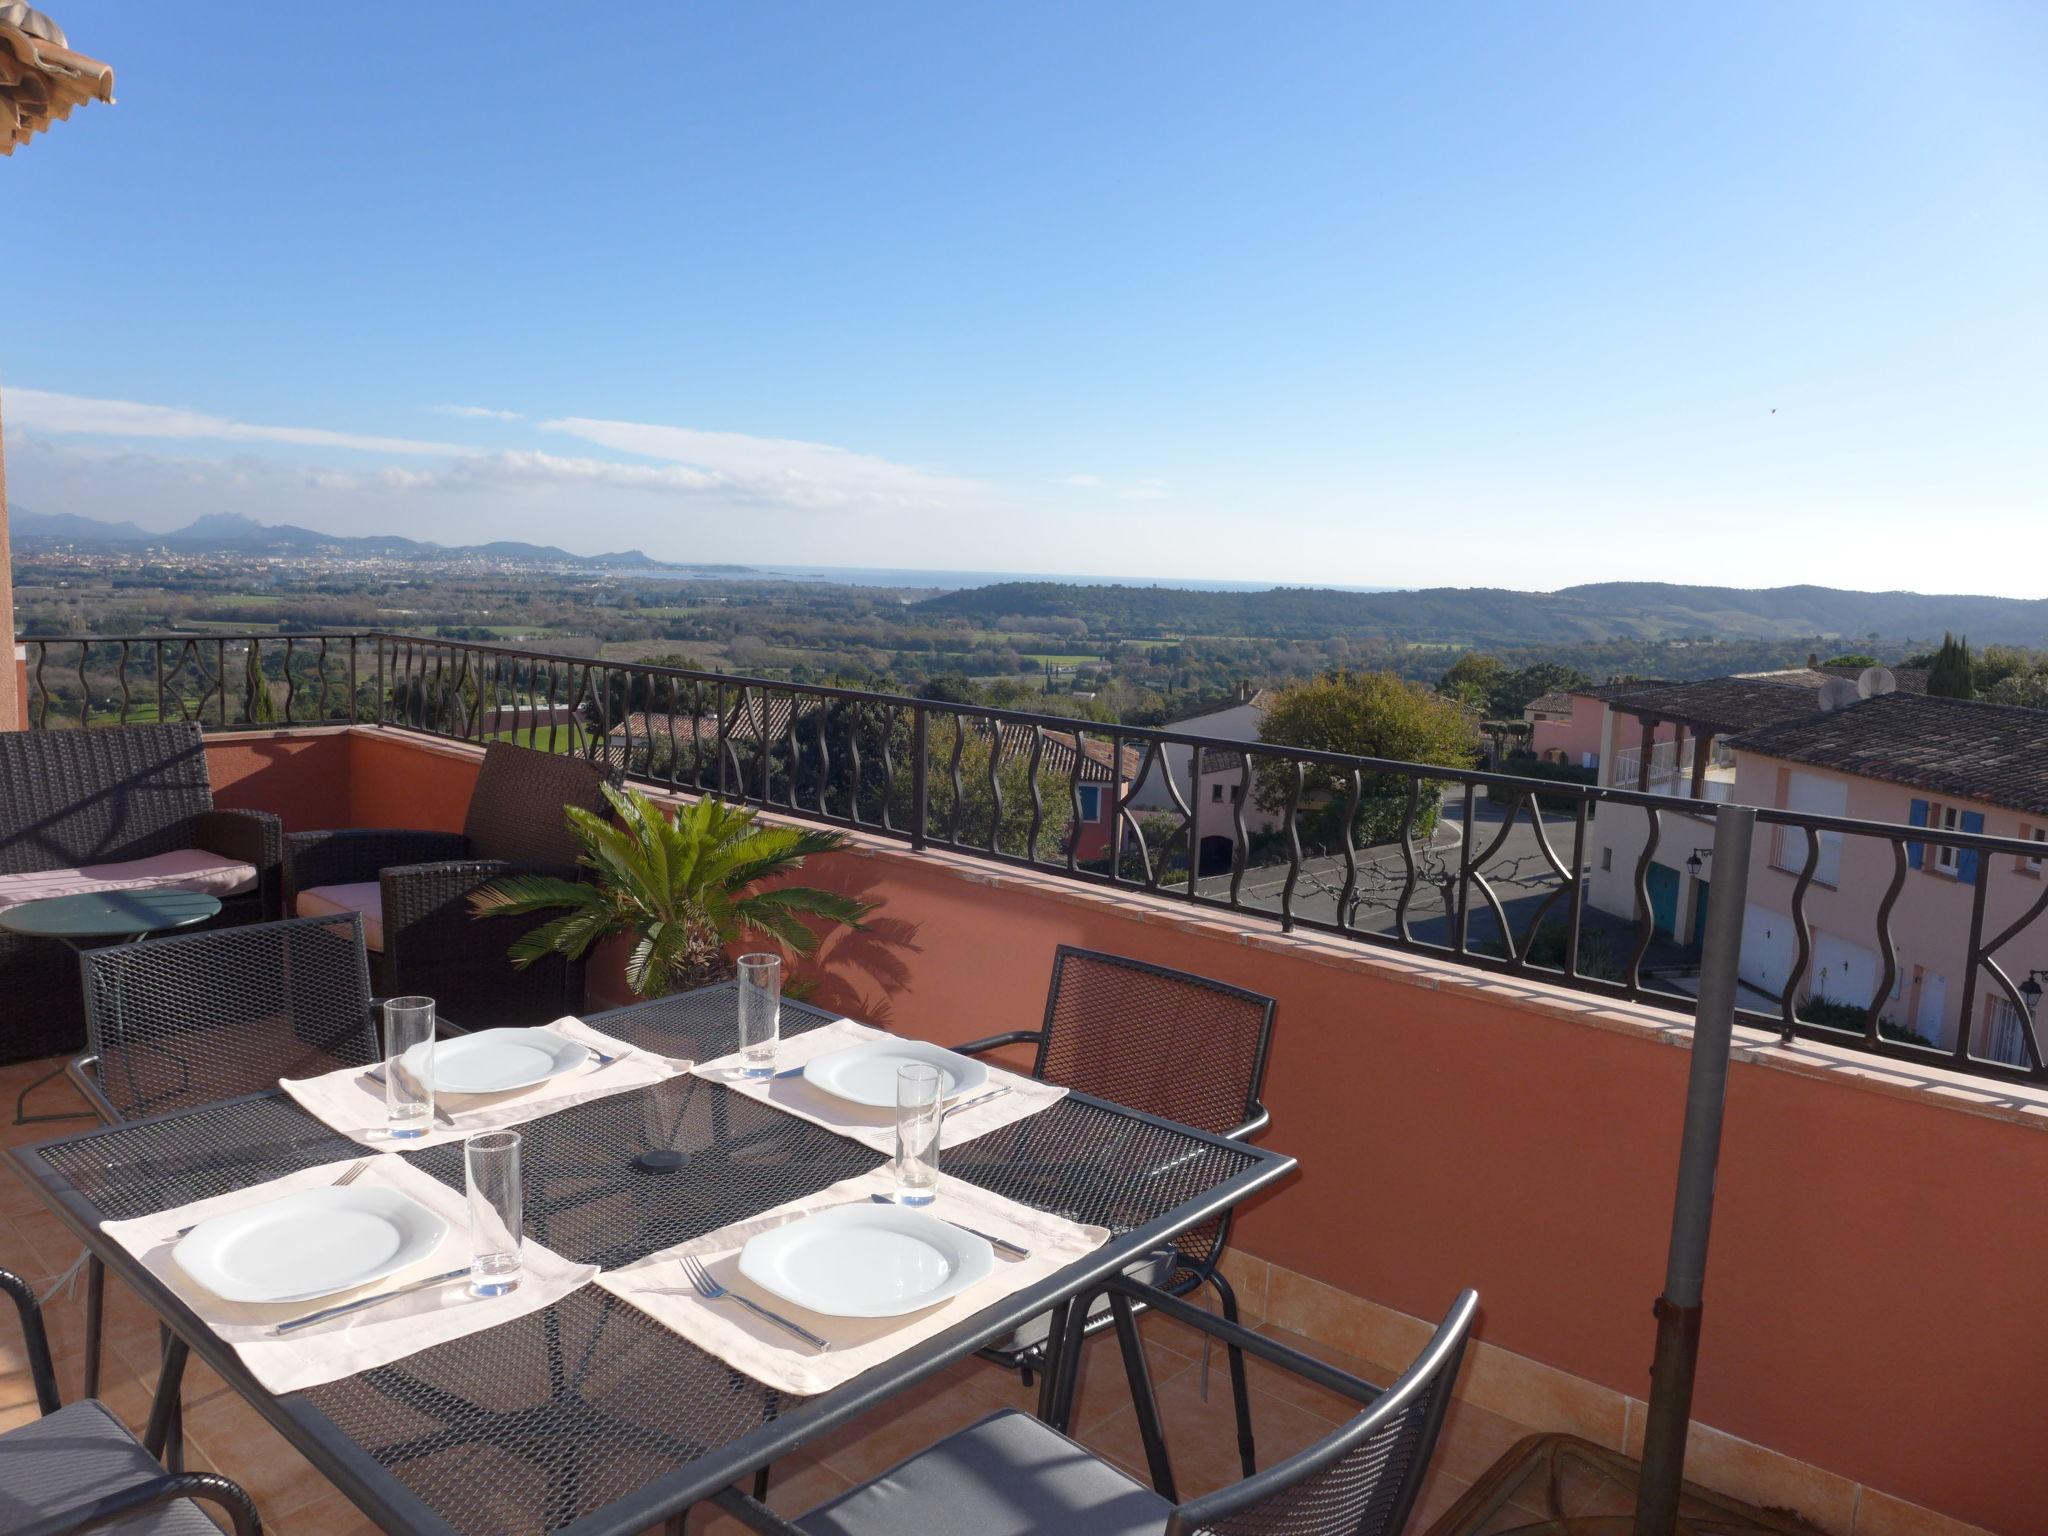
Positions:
{"x": 1878, "y": 1276}
{"x": 303, "y": 777}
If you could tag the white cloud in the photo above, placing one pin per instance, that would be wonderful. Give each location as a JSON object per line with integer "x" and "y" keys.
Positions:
{"x": 476, "y": 412}
{"x": 71, "y": 415}
{"x": 784, "y": 471}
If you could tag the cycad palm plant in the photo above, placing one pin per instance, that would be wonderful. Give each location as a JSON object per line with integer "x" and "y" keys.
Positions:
{"x": 685, "y": 886}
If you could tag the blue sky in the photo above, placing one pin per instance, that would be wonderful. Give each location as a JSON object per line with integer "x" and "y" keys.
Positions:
{"x": 1404, "y": 295}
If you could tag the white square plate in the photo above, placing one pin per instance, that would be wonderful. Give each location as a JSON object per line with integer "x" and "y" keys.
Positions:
{"x": 867, "y": 1260}
{"x": 866, "y": 1073}
{"x": 499, "y": 1060}
{"x": 310, "y": 1244}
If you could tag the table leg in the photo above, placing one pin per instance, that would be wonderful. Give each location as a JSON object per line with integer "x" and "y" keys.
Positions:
{"x": 95, "y": 1313}
{"x": 165, "y": 1436}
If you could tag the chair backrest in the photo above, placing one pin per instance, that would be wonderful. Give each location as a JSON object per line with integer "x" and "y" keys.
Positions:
{"x": 98, "y": 796}
{"x": 1157, "y": 1040}
{"x": 1360, "y": 1480}
{"x": 183, "y": 1021}
{"x": 515, "y": 812}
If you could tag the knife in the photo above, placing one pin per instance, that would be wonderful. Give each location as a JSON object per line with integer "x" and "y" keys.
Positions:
{"x": 367, "y": 1301}
{"x": 1015, "y": 1250}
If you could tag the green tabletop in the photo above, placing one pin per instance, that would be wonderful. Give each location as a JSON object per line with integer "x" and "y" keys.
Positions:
{"x": 109, "y": 914}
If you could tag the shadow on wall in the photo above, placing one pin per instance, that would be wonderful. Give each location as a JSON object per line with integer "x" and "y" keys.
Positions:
{"x": 305, "y": 781}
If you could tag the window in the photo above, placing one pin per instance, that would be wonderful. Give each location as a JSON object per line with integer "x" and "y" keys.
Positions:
{"x": 2039, "y": 861}
{"x": 1091, "y": 802}
{"x": 2004, "y": 1038}
{"x": 1235, "y": 791}
{"x": 1949, "y": 819}
{"x": 1606, "y": 860}
{"x": 1216, "y": 793}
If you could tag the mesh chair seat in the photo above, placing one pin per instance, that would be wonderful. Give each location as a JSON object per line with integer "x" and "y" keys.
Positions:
{"x": 76, "y": 1455}
{"x": 1008, "y": 1475}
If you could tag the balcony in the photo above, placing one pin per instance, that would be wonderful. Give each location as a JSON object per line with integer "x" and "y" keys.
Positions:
{"x": 1459, "y": 1117}
{"x": 1671, "y": 771}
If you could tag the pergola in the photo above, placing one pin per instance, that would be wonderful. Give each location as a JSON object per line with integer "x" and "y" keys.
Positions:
{"x": 41, "y": 81}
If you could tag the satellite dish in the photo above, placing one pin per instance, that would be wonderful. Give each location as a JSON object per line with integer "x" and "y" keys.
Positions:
{"x": 1838, "y": 693}
{"x": 1873, "y": 682}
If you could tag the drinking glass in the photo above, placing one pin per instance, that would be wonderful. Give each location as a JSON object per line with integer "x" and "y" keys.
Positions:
{"x": 918, "y": 1113}
{"x": 408, "y": 1066}
{"x": 760, "y": 1013}
{"x": 491, "y": 1160}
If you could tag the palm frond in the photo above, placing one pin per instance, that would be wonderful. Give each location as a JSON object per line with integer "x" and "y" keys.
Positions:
{"x": 514, "y": 895}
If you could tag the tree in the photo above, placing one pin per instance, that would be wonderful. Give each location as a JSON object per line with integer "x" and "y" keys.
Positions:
{"x": 1366, "y": 714}
{"x": 1951, "y": 675}
{"x": 2029, "y": 690}
{"x": 1514, "y": 692}
{"x": 1851, "y": 659}
{"x": 1472, "y": 678}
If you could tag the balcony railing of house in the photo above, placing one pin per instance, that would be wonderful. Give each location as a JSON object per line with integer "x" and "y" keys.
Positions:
{"x": 1671, "y": 772}
{"x": 1487, "y": 869}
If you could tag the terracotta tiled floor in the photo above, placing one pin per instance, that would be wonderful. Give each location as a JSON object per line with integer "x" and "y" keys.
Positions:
{"x": 224, "y": 1434}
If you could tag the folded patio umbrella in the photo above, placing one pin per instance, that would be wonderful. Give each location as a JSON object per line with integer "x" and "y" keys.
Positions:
{"x": 41, "y": 79}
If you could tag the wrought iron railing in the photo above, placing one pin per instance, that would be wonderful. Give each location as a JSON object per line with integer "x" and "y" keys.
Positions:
{"x": 1600, "y": 889}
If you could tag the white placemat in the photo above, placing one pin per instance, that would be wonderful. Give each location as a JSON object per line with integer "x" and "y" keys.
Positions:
{"x": 874, "y": 1128}
{"x": 360, "y": 1340}
{"x": 352, "y": 1101}
{"x": 658, "y": 1286}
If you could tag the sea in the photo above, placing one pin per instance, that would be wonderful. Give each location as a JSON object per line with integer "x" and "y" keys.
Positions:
{"x": 953, "y": 581}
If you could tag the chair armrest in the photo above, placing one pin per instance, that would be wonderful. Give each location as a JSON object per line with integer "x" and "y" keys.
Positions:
{"x": 753, "y": 1514}
{"x": 993, "y": 1042}
{"x": 1272, "y": 1351}
{"x": 1251, "y": 1127}
{"x": 411, "y": 891}
{"x": 350, "y": 855}
{"x": 139, "y": 1498}
{"x": 255, "y": 838}
{"x": 37, "y": 1338}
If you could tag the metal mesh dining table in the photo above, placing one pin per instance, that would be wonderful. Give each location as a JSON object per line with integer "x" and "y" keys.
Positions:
{"x": 589, "y": 1416}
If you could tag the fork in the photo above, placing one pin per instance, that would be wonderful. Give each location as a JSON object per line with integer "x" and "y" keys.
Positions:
{"x": 700, "y": 1278}
{"x": 349, "y": 1175}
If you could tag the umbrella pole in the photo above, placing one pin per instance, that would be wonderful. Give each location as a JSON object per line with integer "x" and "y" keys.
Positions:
{"x": 1678, "y": 1309}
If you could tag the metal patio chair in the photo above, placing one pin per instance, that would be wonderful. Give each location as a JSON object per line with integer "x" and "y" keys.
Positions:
{"x": 78, "y": 1469}
{"x": 177, "y": 1022}
{"x": 1172, "y": 1044}
{"x": 412, "y": 888}
{"x": 1012, "y": 1474}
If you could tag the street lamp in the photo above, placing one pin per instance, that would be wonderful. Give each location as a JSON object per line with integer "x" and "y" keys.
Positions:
{"x": 2030, "y": 989}
{"x": 1694, "y": 864}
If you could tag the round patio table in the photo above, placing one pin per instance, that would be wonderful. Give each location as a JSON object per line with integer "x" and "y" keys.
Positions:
{"x": 124, "y": 916}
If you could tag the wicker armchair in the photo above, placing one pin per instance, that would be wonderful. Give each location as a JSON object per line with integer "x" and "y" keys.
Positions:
{"x": 1171, "y": 1044}
{"x": 111, "y": 795}
{"x": 78, "y": 1469}
{"x": 412, "y": 889}
{"x": 1012, "y": 1473}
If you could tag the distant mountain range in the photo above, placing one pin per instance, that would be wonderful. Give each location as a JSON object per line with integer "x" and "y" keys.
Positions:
{"x": 1604, "y": 611}
{"x": 226, "y": 533}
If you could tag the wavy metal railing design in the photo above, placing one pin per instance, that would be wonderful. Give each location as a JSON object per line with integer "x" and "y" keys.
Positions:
{"x": 1358, "y": 847}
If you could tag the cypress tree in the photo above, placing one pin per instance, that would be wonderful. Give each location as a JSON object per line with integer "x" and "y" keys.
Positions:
{"x": 1950, "y": 677}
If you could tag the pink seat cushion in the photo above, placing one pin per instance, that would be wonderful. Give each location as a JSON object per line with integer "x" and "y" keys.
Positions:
{"x": 365, "y": 896}
{"x": 187, "y": 869}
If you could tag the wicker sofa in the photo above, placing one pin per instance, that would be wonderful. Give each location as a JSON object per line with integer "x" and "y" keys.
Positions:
{"x": 113, "y": 808}
{"x": 412, "y": 890}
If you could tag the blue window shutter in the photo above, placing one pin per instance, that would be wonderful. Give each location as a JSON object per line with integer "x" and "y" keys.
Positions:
{"x": 1968, "y": 861}
{"x": 1917, "y": 815}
